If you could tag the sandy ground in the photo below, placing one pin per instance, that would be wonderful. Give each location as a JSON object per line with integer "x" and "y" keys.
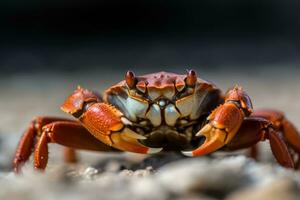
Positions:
{"x": 111, "y": 176}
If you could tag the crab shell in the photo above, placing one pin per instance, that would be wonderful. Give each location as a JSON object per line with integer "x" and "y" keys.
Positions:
{"x": 163, "y": 105}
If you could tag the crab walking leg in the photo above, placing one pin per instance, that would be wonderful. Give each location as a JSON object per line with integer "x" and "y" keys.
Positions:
{"x": 254, "y": 130}
{"x": 282, "y": 124}
{"x": 70, "y": 155}
{"x": 224, "y": 122}
{"x": 24, "y": 148}
{"x": 104, "y": 122}
{"x": 27, "y": 142}
{"x": 289, "y": 131}
{"x": 253, "y": 152}
{"x": 69, "y": 134}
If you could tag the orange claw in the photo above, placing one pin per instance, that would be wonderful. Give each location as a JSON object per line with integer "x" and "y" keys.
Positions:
{"x": 127, "y": 140}
{"x": 106, "y": 123}
{"x": 224, "y": 122}
{"x": 215, "y": 139}
{"x": 74, "y": 104}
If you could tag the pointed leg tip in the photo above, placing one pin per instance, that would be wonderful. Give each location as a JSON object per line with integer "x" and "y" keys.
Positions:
{"x": 16, "y": 170}
{"x": 188, "y": 153}
{"x": 154, "y": 150}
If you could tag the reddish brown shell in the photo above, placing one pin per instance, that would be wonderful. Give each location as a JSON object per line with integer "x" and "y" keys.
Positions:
{"x": 160, "y": 80}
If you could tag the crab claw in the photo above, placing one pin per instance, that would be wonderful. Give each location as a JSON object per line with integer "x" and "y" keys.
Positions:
{"x": 215, "y": 139}
{"x": 105, "y": 122}
{"x": 127, "y": 140}
{"x": 224, "y": 122}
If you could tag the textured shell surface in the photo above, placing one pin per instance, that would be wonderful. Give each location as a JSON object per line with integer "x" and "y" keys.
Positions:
{"x": 161, "y": 96}
{"x": 162, "y": 102}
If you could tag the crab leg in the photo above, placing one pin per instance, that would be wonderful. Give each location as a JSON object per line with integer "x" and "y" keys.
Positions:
{"x": 286, "y": 128}
{"x": 224, "y": 122}
{"x": 27, "y": 142}
{"x": 104, "y": 122}
{"x": 69, "y": 134}
{"x": 282, "y": 124}
{"x": 254, "y": 130}
{"x": 24, "y": 148}
{"x": 70, "y": 155}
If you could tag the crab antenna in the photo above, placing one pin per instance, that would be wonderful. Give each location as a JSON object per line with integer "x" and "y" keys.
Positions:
{"x": 191, "y": 78}
{"x": 130, "y": 79}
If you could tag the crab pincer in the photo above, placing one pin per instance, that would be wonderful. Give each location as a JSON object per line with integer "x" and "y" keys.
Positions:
{"x": 105, "y": 122}
{"x": 224, "y": 122}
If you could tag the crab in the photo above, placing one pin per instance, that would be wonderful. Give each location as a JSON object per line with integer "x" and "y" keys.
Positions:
{"x": 160, "y": 112}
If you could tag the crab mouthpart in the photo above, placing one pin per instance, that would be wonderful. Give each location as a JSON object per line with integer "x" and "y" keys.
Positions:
{"x": 128, "y": 140}
{"x": 215, "y": 139}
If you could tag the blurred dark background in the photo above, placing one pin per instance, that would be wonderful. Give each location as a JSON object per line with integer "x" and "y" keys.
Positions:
{"x": 64, "y": 35}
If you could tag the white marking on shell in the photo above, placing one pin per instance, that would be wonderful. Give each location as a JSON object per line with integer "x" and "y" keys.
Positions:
{"x": 136, "y": 108}
{"x": 154, "y": 115}
{"x": 171, "y": 115}
{"x": 169, "y": 93}
{"x": 162, "y": 103}
{"x": 132, "y": 108}
{"x": 153, "y": 94}
{"x": 191, "y": 105}
{"x": 199, "y": 97}
{"x": 185, "y": 105}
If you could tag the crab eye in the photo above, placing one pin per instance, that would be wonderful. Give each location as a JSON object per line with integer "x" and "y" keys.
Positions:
{"x": 130, "y": 79}
{"x": 191, "y": 78}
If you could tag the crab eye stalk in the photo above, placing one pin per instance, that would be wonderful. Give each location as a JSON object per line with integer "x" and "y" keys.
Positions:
{"x": 130, "y": 79}
{"x": 191, "y": 78}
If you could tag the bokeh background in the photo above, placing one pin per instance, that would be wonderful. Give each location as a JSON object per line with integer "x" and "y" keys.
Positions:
{"x": 47, "y": 48}
{"x": 75, "y": 35}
